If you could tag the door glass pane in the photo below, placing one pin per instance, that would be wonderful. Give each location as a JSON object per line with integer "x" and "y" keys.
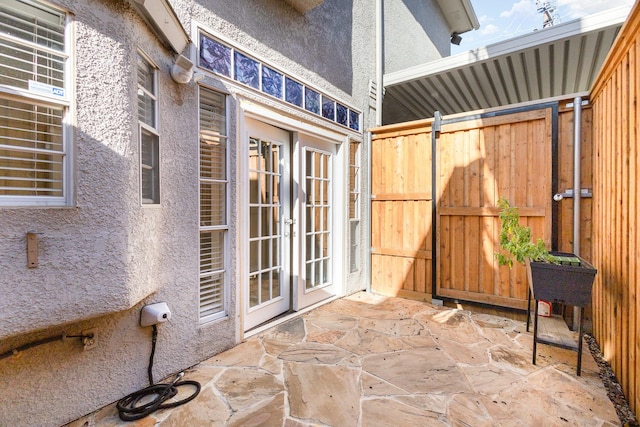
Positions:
{"x": 310, "y": 246}
{"x": 275, "y": 251}
{"x": 275, "y": 278}
{"x": 265, "y": 210}
{"x": 253, "y": 255}
{"x": 275, "y": 220}
{"x": 254, "y": 222}
{"x": 317, "y": 225}
{"x": 265, "y": 287}
{"x": 254, "y": 290}
{"x": 266, "y": 254}
{"x": 309, "y": 275}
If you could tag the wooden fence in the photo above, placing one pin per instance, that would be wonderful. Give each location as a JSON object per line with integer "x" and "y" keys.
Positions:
{"x": 479, "y": 158}
{"x": 616, "y": 241}
{"x": 401, "y": 211}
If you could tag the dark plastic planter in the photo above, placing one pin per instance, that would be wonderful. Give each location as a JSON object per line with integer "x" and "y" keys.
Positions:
{"x": 566, "y": 284}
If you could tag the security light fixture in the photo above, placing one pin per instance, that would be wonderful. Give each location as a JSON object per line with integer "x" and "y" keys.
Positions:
{"x": 455, "y": 38}
{"x": 182, "y": 70}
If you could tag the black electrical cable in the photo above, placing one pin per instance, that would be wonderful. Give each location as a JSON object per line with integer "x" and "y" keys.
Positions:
{"x": 130, "y": 407}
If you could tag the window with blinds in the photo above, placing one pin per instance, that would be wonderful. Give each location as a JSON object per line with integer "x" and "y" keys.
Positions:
{"x": 34, "y": 148}
{"x": 213, "y": 205}
{"x": 148, "y": 132}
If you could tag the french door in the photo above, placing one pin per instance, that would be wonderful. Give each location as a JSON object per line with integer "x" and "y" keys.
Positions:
{"x": 315, "y": 214}
{"x": 288, "y": 244}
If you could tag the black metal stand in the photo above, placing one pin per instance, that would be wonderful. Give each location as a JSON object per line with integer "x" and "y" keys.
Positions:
{"x": 535, "y": 333}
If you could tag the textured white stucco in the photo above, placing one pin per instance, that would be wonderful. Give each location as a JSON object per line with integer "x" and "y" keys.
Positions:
{"x": 105, "y": 257}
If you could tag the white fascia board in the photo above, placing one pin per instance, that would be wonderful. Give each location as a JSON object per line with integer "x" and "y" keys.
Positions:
{"x": 460, "y": 15}
{"x": 609, "y": 18}
{"x": 162, "y": 18}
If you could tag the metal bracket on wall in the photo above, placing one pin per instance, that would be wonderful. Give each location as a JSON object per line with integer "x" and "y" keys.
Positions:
{"x": 568, "y": 194}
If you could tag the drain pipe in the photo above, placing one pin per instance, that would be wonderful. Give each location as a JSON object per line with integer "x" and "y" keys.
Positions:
{"x": 378, "y": 122}
{"x": 577, "y": 161}
{"x": 369, "y": 215}
{"x": 379, "y": 59}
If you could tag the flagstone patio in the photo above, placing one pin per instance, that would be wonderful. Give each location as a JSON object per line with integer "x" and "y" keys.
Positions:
{"x": 368, "y": 360}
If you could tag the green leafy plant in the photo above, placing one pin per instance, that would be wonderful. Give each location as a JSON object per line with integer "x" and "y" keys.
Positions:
{"x": 515, "y": 239}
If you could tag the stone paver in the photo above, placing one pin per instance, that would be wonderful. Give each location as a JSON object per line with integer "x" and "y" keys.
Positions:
{"x": 368, "y": 360}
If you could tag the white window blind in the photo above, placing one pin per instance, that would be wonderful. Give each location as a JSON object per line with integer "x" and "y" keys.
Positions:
{"x": 213, "y": 205}
{"x": 32, "y": 45}
{"x": 34, "y": 147}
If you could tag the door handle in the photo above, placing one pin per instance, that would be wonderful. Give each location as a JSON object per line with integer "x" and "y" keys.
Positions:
{"x": 290, "y": 221}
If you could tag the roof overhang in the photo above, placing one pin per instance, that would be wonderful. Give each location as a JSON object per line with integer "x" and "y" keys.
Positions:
{"x": 459, "y": 15}
{"x": 560, "y": 60}
{"x": 165, "y": 24}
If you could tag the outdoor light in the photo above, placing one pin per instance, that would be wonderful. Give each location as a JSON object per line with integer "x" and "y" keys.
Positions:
{"x": 455, "y": 38}
{"x": 182, "y": 70}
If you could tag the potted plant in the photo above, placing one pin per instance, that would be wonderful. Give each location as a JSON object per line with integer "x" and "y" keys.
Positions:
{"x": 553, "y": 276}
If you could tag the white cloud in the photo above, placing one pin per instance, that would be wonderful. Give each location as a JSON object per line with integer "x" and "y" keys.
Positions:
{"x": 484, "y": 19}
{"x": 489, "y": 29}
{"x": 523, "y": 7}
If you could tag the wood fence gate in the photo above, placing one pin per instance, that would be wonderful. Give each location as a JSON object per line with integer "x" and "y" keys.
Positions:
{"x": 478, "y": 160}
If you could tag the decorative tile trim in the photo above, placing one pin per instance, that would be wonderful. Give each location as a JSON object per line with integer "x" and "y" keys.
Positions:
{"x": 230, "y": 62}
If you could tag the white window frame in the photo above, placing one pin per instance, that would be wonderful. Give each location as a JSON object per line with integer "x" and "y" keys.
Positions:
{"x": 152, "y": 129}
{"x": 355, "y": 223}
{"x": 223, "y": 313}
{"x": 62, "y": 102}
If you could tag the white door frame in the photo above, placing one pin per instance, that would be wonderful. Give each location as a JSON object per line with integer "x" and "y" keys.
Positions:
{"x": 303, "y": 297}
{"x": 248, "y": 109}
{"x": 267, "y": 307}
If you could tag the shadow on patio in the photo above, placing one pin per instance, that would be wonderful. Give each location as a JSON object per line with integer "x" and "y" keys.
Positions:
{"x": 368, "y": 360}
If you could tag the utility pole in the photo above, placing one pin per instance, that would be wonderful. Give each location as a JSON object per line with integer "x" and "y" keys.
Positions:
{"x": 548, "y": 11}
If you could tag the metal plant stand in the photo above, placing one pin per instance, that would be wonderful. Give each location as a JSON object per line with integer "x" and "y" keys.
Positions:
{"x": 537, "y": 340}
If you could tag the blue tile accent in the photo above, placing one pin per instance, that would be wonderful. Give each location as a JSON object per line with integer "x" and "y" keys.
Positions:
{"x": 247, "y": 70}
{"x": 311, "y": 100}
{"x": 328, "y": 108}
{"x": 293, "y": 92}
{"x": 271, "y": 82}
{"x": 215, "y": 56}
{"x": 354, "y": 120}
{"x": 342, "y": 114}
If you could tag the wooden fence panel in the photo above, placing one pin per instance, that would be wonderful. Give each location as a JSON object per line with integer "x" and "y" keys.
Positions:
{"x": 616, "y": 240}
{"x": 401, "y": 212}
{"x": 480, "y": 161}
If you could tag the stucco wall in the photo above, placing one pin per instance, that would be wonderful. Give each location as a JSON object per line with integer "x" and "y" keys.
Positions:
{"x": 103, "y": 259}
{"x": 415, "y": 33}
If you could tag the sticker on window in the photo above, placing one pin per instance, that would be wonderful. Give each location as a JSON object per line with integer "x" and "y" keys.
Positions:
{"x": 45, "y": 89}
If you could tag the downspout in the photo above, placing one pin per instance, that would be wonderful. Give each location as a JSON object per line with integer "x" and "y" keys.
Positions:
{"x": 577, "y": 137}
{"x": 368, "y": 229}
{"x": 379, "y": 59}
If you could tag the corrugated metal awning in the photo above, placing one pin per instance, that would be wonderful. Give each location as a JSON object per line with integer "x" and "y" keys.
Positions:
{"x": 557, "y": 61}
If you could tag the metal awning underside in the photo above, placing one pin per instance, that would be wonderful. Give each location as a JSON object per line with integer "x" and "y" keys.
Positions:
{"x": 557, "y": 61}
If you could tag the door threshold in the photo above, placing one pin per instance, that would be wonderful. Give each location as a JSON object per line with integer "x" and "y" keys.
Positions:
{"x": 285, "y": 317}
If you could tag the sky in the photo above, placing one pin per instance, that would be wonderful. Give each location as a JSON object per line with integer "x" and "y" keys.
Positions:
{"x": 503, "y": 19}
